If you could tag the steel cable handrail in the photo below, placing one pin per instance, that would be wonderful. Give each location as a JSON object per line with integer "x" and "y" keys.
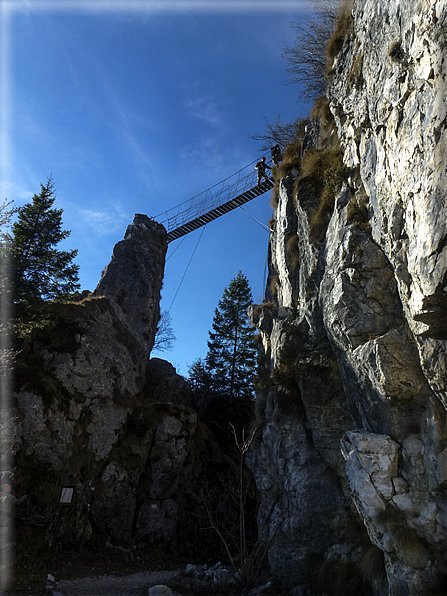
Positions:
{"x": 200, "y": 204}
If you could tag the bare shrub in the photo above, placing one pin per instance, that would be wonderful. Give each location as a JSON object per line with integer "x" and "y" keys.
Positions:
{"x": 246, "y": 556}
{"x": 281, "y": 133}
{"x": 306, "y": 58}
{"x": 164, "y": 336}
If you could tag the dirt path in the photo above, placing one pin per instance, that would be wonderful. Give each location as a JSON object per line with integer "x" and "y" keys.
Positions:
{"x": 109, "y": 585}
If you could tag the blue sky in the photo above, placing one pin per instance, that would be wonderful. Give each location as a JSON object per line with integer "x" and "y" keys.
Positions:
{"x": 135, "y": 107}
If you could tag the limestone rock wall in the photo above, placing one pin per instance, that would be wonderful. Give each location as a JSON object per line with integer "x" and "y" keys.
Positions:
{"x": 354, "y": 333}
{"x": 94, "y": 412}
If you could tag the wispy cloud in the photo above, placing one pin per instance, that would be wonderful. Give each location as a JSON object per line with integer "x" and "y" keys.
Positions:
{"x": 128, "y": 124}
{"x": 212, "y": 155}
{"x": 18, "y": 194}
{"x": 103, "y": 222}
{"x": 206, "y": 109}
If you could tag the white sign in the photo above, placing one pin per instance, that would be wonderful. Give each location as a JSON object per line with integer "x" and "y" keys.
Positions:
{"x": 66, "y": 495}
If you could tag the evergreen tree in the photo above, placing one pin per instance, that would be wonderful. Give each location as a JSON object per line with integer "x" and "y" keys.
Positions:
{"x": 200, "y": 380}
{"x": 40, "y": 271}
{"x": 231, "y": 358}
{"x": 199, "y": 376}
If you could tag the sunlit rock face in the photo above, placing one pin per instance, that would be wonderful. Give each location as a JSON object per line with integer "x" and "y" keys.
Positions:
{"x": 354, "y": 334}
{"x": 101, "y": 345}
{"x": 392, "y": 124}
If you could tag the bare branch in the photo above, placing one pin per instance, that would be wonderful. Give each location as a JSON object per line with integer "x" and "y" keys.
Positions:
{"x": 7, "y": 212}
{"x": 306, "y": 58}
{"x": 164, "y": 336}
{"x": 279, "y": 133}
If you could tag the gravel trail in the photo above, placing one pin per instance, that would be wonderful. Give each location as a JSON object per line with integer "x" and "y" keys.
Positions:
{"x": 109, "y": 585}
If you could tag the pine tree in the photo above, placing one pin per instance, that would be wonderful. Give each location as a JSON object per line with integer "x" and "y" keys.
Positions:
{"x": 41, "y": 272}
{"x": 231, "y": 358}
{"x": 200, "y": 381}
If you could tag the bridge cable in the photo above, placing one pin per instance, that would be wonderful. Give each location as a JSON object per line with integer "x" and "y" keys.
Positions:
{"x": 266, "y": 266}
{"x": 175, "y": 249}
{"x": 187, "y": 267}
{"x": 256, "y": 220}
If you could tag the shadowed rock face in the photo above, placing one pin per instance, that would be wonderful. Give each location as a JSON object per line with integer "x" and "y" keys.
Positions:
{"x": 133, "y": 278}
{"x": 100, "y": 347}
{"x": 354, "y": 335}
{"x": 80, "y": 382}
{"x": 95, "y": 412}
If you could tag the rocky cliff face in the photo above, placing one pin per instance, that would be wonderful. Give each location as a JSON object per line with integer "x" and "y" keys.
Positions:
{"x": 95, "y": 413}
{"x": 350, "y": 458}
{"x": 352, "y": 406}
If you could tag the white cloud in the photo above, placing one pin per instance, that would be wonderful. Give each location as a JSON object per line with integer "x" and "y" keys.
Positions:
{"x": 213, "y": 156}
{"x": 105, "y": 221}
{"x": 206, "y": 109}
{"x": 17, "y": 193}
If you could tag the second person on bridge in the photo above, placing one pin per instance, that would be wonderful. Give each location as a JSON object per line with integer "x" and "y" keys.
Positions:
{"x": 261, "y": 167}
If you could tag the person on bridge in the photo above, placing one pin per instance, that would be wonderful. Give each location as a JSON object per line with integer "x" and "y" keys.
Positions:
{"x": 261, "y": 167}
{"x": 276, "y": 154}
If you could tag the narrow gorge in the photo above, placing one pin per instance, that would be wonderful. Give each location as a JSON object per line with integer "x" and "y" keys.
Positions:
{"x": 350, "y": 453}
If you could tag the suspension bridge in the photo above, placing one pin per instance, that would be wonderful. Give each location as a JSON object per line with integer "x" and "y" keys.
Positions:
{"x": 223, "y": 197}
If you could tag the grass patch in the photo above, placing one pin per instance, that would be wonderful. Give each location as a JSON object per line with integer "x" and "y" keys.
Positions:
{"x": 321, "y": 217}
{"x": 324, "y": 172}
{"x": 293, "y": 251}
{"x": 320, "y": 110}
{"x": 322, "y": 113}
{"x": 342, "y": 30}
{"x": 407, "y": 543}
{"x": 357, "y": 211}
{"x": 274, "y": 286}
{"x": 265, "y": 306}
{"x": 291, "y": 159}
{"x": 371, "y": 565}
{"x": 356, "y": 74}
{"x": 341, "y": 578}
{"x": 324, "y": 169}
{"x": 391, "y": 517}
{"x": 291, "y": 156}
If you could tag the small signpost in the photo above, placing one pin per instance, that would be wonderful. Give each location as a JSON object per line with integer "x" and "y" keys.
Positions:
{"x": 67, "y": 494}
{"x": 66, "y": 498}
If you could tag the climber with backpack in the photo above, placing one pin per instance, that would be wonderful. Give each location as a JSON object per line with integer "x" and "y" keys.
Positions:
{"x": 261, "y": 167}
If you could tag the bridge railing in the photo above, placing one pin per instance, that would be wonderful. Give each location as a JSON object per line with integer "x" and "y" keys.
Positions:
{"x": 212, "y": 197}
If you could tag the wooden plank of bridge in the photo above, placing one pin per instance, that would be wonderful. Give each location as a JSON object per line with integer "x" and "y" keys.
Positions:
{"x": 198, "y": 222}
